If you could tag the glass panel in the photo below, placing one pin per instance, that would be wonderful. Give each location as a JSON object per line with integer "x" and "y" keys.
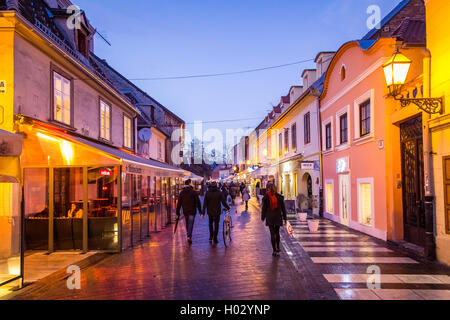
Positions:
{"x": 136, "y": 207}
{"x": 365, "y": 203}
{"x": 448, "y": 194}
{"x": 152, "y": 206}
{"x": 329, "y": 197}
{"x": 68, "y": 208}
{"x": 145, "y": 191}
{"x": 158, "y": 205}
{"x": 447, "y": 169}
{"x": 126, "y": 206}
{"x": 66, "y": 109}
{"x": 36, "y": 208}
{"x": 103, "y": 230}
{"x": 10, "y": 231}
{"x": 58, "y": 106}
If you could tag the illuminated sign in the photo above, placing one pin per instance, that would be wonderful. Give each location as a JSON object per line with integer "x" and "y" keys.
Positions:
{"x": 342, "y": 165}
{"x": 105, "y": 172}
{"x": 256, "y": 167}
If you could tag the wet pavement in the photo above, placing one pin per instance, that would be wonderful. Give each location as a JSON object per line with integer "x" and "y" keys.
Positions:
{"x": 166, "y": 267}
{"x": 331, "y": 264}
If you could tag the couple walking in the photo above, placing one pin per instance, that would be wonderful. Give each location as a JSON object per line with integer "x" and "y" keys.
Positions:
{"x": 212, "y": 204}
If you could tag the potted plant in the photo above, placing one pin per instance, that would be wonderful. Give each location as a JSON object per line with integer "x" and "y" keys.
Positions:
{"x": 313, "y": 225}
{"x": 303, "y": 204}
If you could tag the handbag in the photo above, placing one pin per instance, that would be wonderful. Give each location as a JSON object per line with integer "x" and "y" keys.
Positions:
{"x": 289, "y": 229}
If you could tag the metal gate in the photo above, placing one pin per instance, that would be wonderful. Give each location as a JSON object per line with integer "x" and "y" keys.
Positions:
{"x": 413, "y": 181}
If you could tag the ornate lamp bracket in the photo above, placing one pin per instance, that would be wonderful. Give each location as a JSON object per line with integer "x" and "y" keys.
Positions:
{"x": 429, "y": 105}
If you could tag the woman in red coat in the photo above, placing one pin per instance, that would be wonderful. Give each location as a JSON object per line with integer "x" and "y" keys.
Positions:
{"x": 274, "y": 212}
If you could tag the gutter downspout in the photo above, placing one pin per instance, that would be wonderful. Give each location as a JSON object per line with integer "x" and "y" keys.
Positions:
{"x": 430, "y": 246}
{"x": 317, "y": 94}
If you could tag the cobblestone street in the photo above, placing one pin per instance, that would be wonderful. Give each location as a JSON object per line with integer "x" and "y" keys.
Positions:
{"x": 331, "y": 264}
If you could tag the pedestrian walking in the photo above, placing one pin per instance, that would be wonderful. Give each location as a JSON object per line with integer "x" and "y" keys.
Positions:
{"x": 273, "y": 212}
{"x": 233, "y": 193}
{"x": 212, "y": 204}
{"x": 245, "y": 197}
{"x": 190, "y": 202}
{"x": 242, "y": 187}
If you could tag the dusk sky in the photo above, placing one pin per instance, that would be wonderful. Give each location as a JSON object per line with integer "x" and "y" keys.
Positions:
{"x": 182, "y": 37}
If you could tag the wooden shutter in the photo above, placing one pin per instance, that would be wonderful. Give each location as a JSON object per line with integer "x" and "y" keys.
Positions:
{"x": 446, "y": 169}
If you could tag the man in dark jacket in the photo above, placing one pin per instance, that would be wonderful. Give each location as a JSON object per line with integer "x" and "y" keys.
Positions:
{"x": 212, "y": 203}
{"x": 190, "y": 202}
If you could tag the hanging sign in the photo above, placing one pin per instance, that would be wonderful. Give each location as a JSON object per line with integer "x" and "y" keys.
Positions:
{"x": 105, "y": 172}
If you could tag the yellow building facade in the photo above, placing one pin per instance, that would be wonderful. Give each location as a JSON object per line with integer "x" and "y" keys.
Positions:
{"x": 438, "y": 42}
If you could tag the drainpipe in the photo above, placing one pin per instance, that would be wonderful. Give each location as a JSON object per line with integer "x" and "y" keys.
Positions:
{"x": 430, "y": 246}
{"x": 317, "y": 94}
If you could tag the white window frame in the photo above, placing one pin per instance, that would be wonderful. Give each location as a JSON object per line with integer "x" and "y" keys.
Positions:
{"x": 64, "y": 97}
{"x": 329, "y": 181}
{"x": 370, "y": 181}
{"x": 105, "y": 130}
{"x": 345, "y": 110}
{"x": 127, "y": 138}
{"x": 324, "y": 140}
{"x": 369, "y": 95}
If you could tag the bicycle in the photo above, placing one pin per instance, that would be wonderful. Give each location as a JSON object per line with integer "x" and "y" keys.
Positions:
{"x": 226, "y": 227}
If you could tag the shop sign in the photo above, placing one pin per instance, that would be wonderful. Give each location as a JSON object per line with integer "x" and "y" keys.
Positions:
{"x": 307, "y": 166}
{"x": 105, "y": 172}
{"x": 133, "y": 169}
{"x": 342, "y": 165}
{"x": 2, "y": 86}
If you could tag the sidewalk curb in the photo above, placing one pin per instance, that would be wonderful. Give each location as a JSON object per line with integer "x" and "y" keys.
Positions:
{"x": 28, "y": 292}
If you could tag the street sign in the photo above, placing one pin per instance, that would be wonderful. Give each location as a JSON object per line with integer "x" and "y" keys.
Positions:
{"x": 307, "y": 165}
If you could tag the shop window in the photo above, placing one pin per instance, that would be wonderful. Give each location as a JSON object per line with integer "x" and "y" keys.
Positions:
{"x": 105, "y": 120}
{"x": 307, "y": 127}
{"x": 68, "y": 208}
{"x": 365, "y": 201}
{"x": 329, "y": 196}
{"x": 127, "y": 132}
{"x": 62, "y": 91}
{"x": 10, "y": 231}
{"x": 36, "y": 193}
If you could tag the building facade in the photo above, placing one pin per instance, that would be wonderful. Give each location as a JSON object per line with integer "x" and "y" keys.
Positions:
{"x": 83, "y": 184}
{"x": 438, "y": 43}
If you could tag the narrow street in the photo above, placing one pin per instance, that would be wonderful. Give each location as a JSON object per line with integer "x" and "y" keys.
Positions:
{"x": 331, "y": 264}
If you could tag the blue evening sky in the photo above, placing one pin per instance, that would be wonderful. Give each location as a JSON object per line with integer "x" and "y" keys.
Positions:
{"x": 164, "y": 38}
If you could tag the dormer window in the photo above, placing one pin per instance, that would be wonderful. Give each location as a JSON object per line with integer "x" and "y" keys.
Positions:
{"x": 83, "y": 43}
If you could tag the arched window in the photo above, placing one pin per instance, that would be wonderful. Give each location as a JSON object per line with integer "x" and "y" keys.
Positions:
{"x": 343, "y": 71}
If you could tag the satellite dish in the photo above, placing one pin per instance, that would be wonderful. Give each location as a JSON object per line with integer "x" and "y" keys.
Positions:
{"x": 145, "y": 134}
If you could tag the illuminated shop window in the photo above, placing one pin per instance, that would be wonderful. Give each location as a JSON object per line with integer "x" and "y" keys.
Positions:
{"x": 329, "y": 196}
{"x": 365, "y": 201}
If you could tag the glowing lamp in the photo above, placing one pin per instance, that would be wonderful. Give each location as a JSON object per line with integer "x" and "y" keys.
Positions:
{"x": 249, "y": 162}
{"x": 395, "y": 71}
{"x": 265, "y": 152}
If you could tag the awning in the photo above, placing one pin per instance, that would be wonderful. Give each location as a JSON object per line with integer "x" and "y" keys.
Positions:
{"x": 63, "y": 148}
{"x": 10, "y": 150}
{"x": 192, "y": 176}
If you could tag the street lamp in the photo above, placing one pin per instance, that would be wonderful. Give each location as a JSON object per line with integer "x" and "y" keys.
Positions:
{"x": 395, "y": 71}
{"x": 249, "y": 162}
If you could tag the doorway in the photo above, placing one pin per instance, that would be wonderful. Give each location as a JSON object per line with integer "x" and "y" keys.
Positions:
{"x": 411, "y": 142}
{"x": 344, "y": 198}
